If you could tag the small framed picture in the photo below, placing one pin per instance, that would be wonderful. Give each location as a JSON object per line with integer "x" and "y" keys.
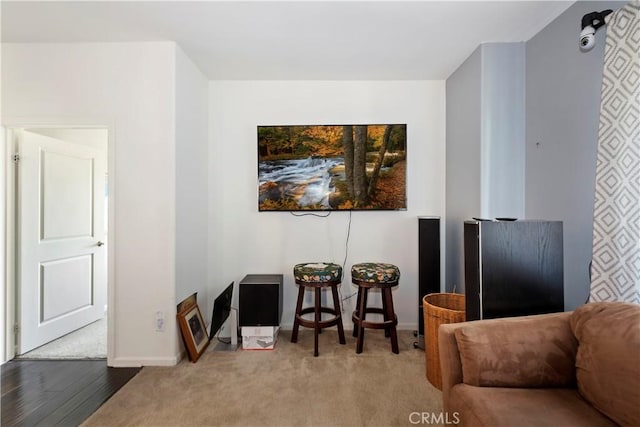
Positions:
{"x": 188, "y": 302}
{"x": 193, "y": 331}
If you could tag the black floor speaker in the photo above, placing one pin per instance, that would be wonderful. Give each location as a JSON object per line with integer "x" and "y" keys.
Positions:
{"x": 428, "y": 266}
{"x": 260, "y": 300}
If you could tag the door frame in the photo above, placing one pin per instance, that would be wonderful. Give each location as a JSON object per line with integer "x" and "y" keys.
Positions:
{"x": 8, "y": 336}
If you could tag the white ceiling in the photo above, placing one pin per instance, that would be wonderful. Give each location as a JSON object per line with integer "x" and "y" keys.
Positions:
{"x": 293, "y": 40}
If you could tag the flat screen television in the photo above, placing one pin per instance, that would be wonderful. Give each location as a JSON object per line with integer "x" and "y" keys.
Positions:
{"x": 221, "y": 310}
{"x": 332, "y": 167}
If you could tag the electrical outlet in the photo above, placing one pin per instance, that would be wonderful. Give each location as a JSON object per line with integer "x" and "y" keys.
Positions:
{"x": 159, "y": 321}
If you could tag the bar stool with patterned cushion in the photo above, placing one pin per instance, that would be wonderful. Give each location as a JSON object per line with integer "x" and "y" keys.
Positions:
{"x": 317, "y": 276}
{"x": 375, "y": 276}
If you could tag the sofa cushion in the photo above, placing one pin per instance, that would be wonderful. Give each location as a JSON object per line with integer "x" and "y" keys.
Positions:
{"x": 522, "y": 407}
{"x": 608, "y": 359}
{"x": 529, "y": 351}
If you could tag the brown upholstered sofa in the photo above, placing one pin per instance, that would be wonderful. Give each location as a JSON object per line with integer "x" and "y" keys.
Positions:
{"x": 579, "y": 368}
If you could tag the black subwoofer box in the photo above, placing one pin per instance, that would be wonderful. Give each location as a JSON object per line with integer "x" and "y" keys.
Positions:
{"x": 260, "y": 300}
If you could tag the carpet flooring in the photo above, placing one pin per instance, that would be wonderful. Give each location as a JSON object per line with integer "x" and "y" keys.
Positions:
{"x": 285, "y": 386}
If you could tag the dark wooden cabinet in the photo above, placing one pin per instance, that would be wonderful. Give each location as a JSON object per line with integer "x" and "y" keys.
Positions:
{"x": 513, "y": 268}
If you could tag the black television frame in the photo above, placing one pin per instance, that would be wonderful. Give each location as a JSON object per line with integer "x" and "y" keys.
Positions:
{"x": 221, "y": 310}
{"x": 353, "y": 181}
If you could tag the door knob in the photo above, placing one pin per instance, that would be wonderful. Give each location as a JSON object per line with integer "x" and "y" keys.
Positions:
{"x": 100, "y": 244}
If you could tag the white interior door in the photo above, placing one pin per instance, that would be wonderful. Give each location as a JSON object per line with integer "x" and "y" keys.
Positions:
{"x": 62, "y": 256}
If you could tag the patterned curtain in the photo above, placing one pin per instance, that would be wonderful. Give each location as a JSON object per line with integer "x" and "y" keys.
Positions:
{"x": 615, "y": 271}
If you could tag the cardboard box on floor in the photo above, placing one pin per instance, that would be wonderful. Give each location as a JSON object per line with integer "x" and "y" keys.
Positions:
{"x": 259, "y": 337}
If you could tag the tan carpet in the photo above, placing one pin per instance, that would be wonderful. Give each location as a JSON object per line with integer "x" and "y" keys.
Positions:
{"x": 286, "y": 386}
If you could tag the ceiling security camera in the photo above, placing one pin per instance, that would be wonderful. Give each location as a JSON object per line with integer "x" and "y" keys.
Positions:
{"x": 590, "y": 24}
{"x": 587, "y": 38}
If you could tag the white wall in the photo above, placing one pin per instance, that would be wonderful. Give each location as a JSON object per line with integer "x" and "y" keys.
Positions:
{"x": 192, "y": 183}
{"x": 98, "y": 138}
{"x": 129, "y": 87}
{"x": 245, "y": 241}
{"x": 3, "y": 252}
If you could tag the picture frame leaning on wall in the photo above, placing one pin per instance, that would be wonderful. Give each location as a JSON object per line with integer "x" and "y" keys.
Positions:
{"x": 194, "y": 332}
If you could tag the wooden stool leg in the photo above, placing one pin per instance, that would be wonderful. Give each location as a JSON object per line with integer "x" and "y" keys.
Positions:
{"x": 355, "y": 325}
{"x": 320, "y": 304}
{"x": 296, "y": 323}
{"x": 316, "y": 329}
{"x": 385, "y": 314}
{"x": 391, "y": 315}
{"x": 362, "y": 313}
{"x": 338, "y": 309}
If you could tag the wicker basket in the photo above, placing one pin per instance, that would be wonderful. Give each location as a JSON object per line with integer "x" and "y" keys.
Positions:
{"x": 439, "y": 309}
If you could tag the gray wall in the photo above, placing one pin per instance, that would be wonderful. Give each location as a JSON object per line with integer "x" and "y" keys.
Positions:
{"x": 463, "y": 162}
{"x": 503, "y": 122}
{"x": 485, "y": 145}
{"x": 562, "y": 114}
{"x": 560, "y": 91}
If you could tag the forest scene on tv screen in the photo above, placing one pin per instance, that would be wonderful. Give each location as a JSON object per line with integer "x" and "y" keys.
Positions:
{"x": 335, "y": 167}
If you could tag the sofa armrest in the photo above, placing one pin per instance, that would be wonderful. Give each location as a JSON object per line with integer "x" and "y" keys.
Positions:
{"x": 527, "y": 351}
{"x": 450, "y": 362}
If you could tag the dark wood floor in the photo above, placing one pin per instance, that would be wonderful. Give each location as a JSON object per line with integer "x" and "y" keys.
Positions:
{"x": 57, "y": 392}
